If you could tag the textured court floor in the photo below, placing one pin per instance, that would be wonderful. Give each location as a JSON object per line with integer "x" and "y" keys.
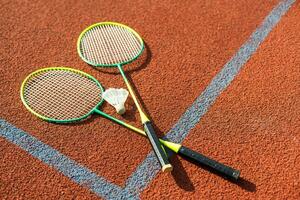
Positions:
{"x": 222, "y": 77}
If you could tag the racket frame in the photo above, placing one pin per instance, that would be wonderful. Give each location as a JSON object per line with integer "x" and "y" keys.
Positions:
{"x": 109, "y": 65}
{"x": 36, "y": 73}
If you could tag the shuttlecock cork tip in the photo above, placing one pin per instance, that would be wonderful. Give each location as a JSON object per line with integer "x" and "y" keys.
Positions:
{"x": 120, "y": 108}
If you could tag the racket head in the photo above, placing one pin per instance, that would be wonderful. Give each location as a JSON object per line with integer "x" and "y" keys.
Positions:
{"x": 45, "y": 91}
{"x": 109, "y": 44}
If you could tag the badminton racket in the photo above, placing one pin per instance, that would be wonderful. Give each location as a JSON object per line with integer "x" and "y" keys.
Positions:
{"x": 65, "y": 95}
{"x": 111, "y": 44}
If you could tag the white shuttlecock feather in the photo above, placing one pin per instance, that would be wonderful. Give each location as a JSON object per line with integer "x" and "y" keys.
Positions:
{"x": 116, "y": 98}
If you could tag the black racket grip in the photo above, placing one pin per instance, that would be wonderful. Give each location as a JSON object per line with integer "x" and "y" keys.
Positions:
{"x": 203, "y": 160}
{"x": 157, "y": 147}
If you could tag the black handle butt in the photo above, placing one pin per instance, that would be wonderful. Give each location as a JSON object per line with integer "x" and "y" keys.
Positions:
{"x": 212, "y": 164}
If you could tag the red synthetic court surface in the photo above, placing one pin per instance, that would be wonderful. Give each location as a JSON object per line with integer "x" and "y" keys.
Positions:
{"x": 253, "y": 125}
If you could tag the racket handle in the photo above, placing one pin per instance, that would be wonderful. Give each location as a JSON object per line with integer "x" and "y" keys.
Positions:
{"x": 157, "y": 147}
{"x": 203, "y": 160}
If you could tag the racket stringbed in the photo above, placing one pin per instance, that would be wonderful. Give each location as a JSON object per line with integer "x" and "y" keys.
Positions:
{"x": 61, "y": 94}
{"x": 109, "y": 44}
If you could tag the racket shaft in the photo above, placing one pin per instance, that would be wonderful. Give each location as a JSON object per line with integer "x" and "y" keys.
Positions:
{"x": 203, "y": 160}
{"x": 157, "y": 147}
{"x": 144, "y": 118}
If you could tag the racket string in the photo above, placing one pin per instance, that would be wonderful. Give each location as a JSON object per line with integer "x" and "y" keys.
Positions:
{"x": 122, "y": 52}
{"x": 122, "y": 39}
{"x": 57, "y": 98}
{"x": 132, "y": 41}
{"x": 99, "y": 45}
{"x": 126, "y": 44}
{"x": 48, "y": 83}
{"x": 103, "y": 46}
{"x": 117, "y": 48}
{"x": 61, "y": 95}
{"x": 92, "y": 51}
{"x": 110, "y": 47}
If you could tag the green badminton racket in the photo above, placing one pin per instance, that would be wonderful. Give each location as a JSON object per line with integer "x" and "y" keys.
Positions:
{"x": 65, "y": 95}
{"x": 111, "y": 44}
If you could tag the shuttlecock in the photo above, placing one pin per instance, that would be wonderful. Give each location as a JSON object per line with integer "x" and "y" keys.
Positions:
{"x": 116, "y": 98}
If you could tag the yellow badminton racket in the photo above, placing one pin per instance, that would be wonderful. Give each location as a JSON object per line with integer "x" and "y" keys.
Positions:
{"x": 111, "y": 44}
